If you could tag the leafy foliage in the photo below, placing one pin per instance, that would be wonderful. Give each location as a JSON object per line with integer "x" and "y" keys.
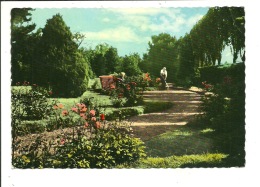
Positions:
{"x": 104, "y": 148}
{"x": 125, "y": 93}
{"x": 60, "y": 64}
{"x": 23, "y": 42}
{"x": 162, "y": 52}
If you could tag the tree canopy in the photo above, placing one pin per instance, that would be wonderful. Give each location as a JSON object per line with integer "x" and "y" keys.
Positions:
{"x": 59, "y": 62}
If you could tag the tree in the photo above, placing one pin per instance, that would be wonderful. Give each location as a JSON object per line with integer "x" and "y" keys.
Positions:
{"x": 112, "y": 59}
{"x": 220, "y": 27}
{"x": 186, "y": 60}
{"x": 130, "y": 65}
{"x": 103, "y": 59}
{"x": 162, "y": 52}
{"x": 59, "y": 63}
{"x": 23, "y": 43}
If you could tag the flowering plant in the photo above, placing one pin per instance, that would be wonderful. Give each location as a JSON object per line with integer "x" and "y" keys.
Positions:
{"x": 125, "y": 93}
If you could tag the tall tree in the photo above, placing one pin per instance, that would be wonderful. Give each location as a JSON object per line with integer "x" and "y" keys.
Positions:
{"x": 59, "y": 62}
{"x": 186, "y": 60}
{"x": 112, "y": 59}
{"x": 162, "y": 52}
{"x": 23, "y": 43}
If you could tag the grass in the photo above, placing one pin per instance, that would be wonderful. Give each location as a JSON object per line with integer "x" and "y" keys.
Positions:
{"x": 103, "y": 101}
{"x": 200, "y": 160}
{"x": 181, "y": 141}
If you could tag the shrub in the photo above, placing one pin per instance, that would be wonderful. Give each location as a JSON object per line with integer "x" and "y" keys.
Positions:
{"x": 108, "y": 146}
{"x": 126, "y": 94}
{"x": 215, "y": 74}
{"x": 28, "y": 127}
{"x": 31, "y": 102}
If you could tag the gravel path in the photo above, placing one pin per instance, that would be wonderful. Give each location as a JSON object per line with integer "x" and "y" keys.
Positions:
{"x": 185, "y": 107}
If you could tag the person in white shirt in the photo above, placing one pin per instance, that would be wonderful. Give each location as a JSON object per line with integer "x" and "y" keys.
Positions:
{"x": 163, "y": 76}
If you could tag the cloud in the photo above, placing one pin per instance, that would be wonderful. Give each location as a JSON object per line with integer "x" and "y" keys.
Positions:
{"x": 106, "y": 20}
{"x": 151, "y": 19}
{"x": 119, "y": 34}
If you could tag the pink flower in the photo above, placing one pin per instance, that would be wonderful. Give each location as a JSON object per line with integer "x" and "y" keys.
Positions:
{"x": 74, "y": 109}
{"x": 92, "y": 112}
{"x": 83, "y": 116}
{"x": 65, "y": 112}
{"x": 62, "y": 141}
{"x": 55, "y": 107}
{"x": 93, "y": 119}
{"x": 86, "y": 125}
{"x": 81, "y": 105}
{"x": 83, "y": 110}
{"x": 60, "y": 105}
{"x": 98, "y": 125}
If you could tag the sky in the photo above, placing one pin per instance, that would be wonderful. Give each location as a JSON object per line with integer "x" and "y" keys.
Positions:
{"x": 127, "y": 29}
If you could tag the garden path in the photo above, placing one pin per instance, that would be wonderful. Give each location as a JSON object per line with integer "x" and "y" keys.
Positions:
{"x": 185, "y": 107}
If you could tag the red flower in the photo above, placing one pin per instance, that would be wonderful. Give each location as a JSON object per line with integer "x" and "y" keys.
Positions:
{"x": 207, "y": 86}
{"x": 65, "y": 112}
{"x": 102, "y": 117}
{"x": 92, "y": 112}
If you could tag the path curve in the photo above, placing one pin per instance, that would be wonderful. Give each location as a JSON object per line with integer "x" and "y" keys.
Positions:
{"x": 186, "y": 105}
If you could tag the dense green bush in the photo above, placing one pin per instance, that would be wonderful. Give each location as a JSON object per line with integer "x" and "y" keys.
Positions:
{"x": 31, "y": 102}
{"x": 224, "y": 111}
{"x": 215, "y": 74}
{"x": 29, "y": 127}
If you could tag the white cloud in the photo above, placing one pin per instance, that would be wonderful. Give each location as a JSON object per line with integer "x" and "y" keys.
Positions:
{"x": 170, "y": 20}
{"x": 119, "y": 34}
{"x": 141, "y": 11}
{"x": 106, "y": 20}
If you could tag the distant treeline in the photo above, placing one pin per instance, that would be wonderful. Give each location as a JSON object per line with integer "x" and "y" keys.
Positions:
{"x": 53, "y": 56}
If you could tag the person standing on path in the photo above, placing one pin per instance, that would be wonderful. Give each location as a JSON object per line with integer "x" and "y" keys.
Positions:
{"x": 163, "y": 76}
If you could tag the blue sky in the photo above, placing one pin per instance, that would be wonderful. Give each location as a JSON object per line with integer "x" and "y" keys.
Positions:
{"x": 127, "y": 29}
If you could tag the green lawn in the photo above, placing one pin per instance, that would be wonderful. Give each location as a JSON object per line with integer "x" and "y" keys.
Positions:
{"x": 193, "y": 146}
